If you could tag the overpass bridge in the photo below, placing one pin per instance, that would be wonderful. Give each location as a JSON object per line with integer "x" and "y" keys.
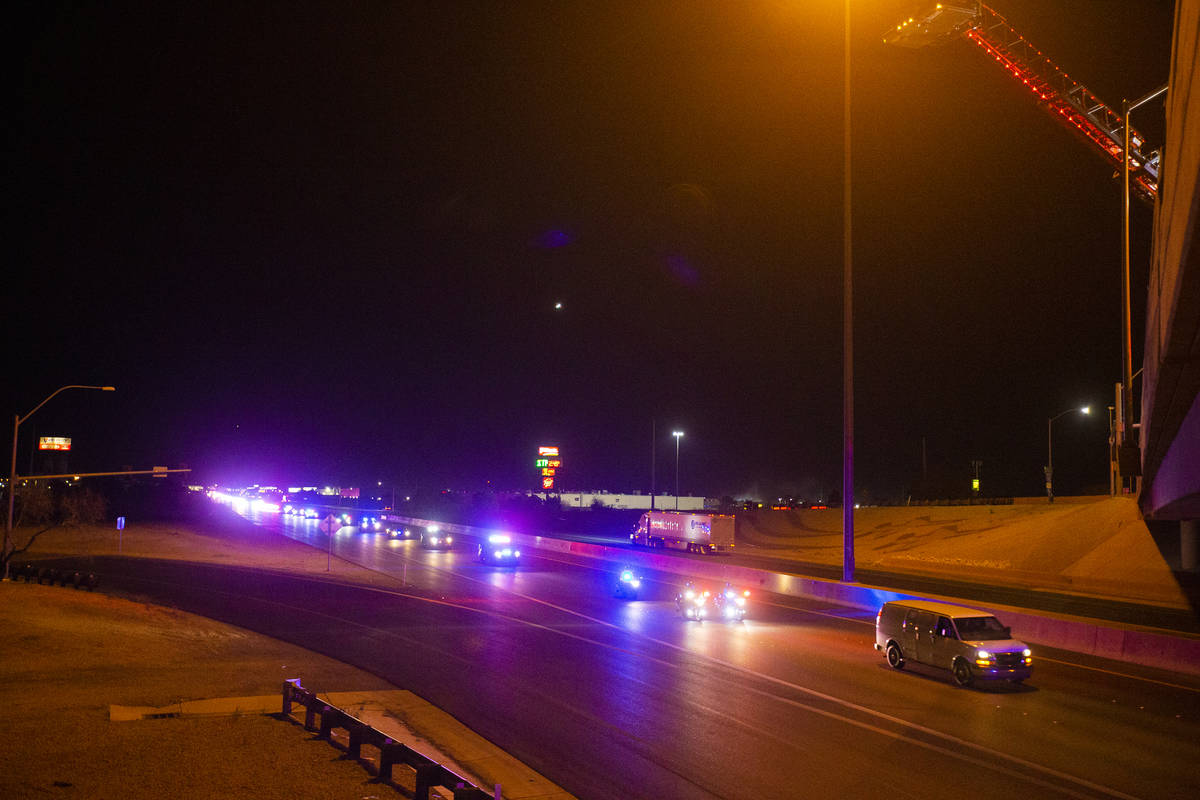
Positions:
{"x": 1169, "y": 434}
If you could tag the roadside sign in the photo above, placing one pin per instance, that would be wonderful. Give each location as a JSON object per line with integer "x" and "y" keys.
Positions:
{"x": 120, "y": 523}
{"x": 160, "y": 472}
{"x": 329, "y": 525}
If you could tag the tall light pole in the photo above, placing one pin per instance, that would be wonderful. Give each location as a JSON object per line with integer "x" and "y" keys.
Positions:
{"x": 678, "y": 435}
{"x": 1126, "y": 417}
{"x": 1112, "y": 456}
{"x": 1050, "y": 448}
{"x": 12, "y": 472}
{"x": 653, "y": 447}
{"x": 847, "y": 332}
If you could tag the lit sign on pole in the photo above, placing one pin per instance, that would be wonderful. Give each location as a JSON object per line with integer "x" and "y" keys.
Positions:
{"x": 54, "y": 443}
{"x": 548, "y": 463}
{"x": 975, "y": 484}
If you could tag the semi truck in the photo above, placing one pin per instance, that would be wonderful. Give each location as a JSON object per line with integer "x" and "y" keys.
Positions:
{"x": 696, "y": 533}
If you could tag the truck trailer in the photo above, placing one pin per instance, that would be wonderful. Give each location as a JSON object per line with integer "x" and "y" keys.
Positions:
{"x": 696, "y": 533}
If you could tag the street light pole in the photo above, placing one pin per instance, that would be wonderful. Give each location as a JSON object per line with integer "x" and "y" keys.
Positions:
{"x": 847, "y": 330}
{"x": 12, "y": 472}
{"x": 1050, "y": 448}
{"x": 1126, "y": 417}
{"x": 1112, "y": 459}
{"x": 678, "y": 435}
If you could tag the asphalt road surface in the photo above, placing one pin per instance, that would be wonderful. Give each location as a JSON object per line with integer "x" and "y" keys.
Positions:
{"x": 616, "y": 698}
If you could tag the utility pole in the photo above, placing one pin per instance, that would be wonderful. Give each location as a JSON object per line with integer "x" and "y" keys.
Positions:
{"x": 653, "y": 433}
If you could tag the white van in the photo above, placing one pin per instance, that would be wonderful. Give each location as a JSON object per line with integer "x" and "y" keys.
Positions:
{"x": 972, "y": 644}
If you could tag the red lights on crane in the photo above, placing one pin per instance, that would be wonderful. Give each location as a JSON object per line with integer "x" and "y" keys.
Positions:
{"x": 1070, "y": 101}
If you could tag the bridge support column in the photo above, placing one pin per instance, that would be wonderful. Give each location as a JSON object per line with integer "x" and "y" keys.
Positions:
{"x": 1189, "y": 536}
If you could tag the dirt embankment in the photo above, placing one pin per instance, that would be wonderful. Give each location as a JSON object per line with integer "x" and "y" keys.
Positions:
{"x": 68, "y": 655}
{"x": 1097, "y": 547}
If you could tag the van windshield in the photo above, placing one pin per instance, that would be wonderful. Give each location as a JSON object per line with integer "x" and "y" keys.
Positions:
{"x": 980, "y": 629}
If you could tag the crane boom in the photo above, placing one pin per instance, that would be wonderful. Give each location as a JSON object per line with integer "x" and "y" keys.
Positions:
{"x": 1059, "y": 94}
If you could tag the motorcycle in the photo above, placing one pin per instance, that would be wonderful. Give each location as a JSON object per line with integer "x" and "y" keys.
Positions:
{"x": 693, "y": 603}
{"x": 731, "y": 604}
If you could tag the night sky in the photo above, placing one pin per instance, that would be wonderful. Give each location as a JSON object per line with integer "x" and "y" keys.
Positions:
{"x": 323, "y": 243}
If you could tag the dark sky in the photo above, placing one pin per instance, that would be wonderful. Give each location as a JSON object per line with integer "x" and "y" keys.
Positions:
{"x": 323, "y": 242}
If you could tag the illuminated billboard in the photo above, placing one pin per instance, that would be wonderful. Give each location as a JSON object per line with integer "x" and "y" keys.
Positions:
{"x": 54, "y": 443}
{"x": 547, "y": 464}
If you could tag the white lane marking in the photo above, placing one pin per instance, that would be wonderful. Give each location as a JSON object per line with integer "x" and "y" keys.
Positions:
{"x": 901, "y": 737}
{"x": 761, "y": 675}
{"x": 1120, "y": 674}
{"x": 996, "y": 754}
{"x": 813, "y": 612}
{"x": 872, "y": 624}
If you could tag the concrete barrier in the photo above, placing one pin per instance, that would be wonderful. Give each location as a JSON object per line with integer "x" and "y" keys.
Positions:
{"x": 1148, "y": 647}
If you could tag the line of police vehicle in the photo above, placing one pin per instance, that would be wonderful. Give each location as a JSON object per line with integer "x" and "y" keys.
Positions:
{"x": 972, "y": 645}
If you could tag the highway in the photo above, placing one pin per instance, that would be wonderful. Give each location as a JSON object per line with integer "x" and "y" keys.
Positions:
{"x": 623, "y": 699}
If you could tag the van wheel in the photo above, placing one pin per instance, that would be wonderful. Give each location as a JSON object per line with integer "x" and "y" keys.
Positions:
{"x": 895, "y": 658}
{"x": 962, "y": 673}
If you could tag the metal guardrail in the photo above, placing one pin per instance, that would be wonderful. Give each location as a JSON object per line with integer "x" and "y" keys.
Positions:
{"x": 53, "y": 575}
{"x": 324, "y": 718}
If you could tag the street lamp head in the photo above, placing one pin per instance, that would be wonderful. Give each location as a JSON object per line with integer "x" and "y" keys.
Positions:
{"x": 1086, "y": 409}
{"x": 677, "y": 434}
{"x": 108, "y": 388}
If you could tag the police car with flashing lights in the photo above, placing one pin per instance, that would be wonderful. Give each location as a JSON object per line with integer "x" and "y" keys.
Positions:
{"x": 629, "y": 583}
{"x": 498, "y": 549}
{"x": 434, "y": 539}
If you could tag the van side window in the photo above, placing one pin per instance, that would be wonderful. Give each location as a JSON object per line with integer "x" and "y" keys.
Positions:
{"x": 944, "y": 628}
{"x": 910, "y": 618}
